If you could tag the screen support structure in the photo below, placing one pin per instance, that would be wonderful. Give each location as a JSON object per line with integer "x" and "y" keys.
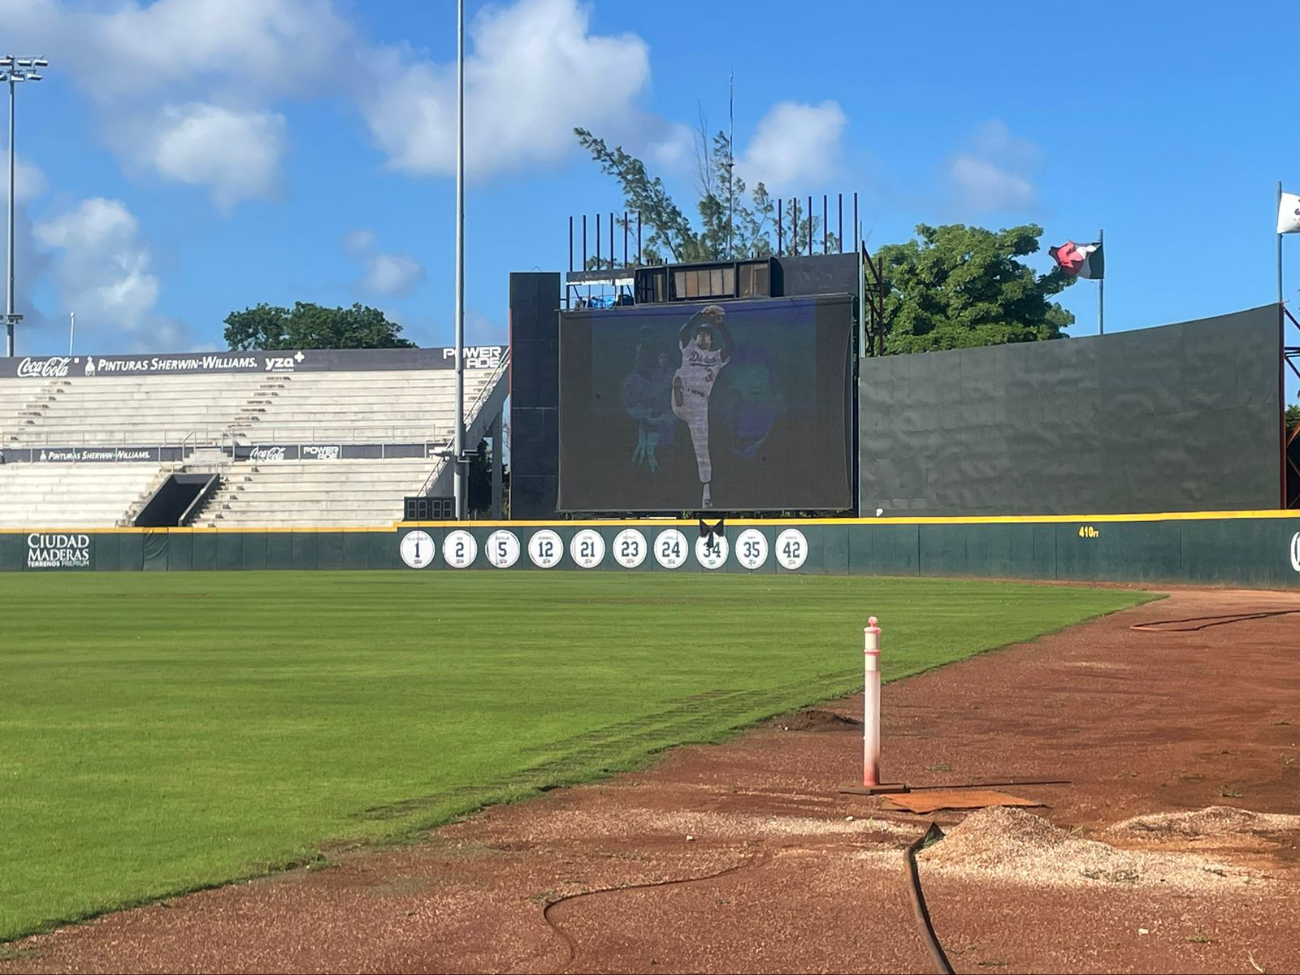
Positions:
{"x": 873, "y": 303}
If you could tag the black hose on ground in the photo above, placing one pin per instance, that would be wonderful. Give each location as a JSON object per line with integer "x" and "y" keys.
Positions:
{"x": 923, "y": 922}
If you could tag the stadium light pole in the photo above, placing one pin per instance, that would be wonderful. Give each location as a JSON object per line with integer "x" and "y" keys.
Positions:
{"x": 14, "y": 70}
{"x": 459, "y": 446}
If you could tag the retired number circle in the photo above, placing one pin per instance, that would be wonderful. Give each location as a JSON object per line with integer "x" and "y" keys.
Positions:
{"x": 711, "y": 551}
{"x": 671, "y": 549}
{"x": 630, "y": 548}
{"x": 751, "y": 548}
{"x": 503, "y": 549}
{"x": 459, "y": 549}
{"x": 417, "y": 549}
{"x": 587, "y": 548}
{"x": 791, "y": 548}
{"x": 545, "y": 549}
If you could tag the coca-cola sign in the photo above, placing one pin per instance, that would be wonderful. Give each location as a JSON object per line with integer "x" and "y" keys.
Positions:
{"x": 53, "y": 367}
{"x": 267, "y": 453}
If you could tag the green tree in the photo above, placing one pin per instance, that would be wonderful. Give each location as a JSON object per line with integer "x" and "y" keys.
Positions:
{"x": 958, "y": 287}
{"x": 1293, "y": 415}
{"x": 311, "y": 326}
{"x": 734, "y": 223}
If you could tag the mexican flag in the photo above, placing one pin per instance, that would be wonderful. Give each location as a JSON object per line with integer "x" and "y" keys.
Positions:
{"x": 1079, "y": 260}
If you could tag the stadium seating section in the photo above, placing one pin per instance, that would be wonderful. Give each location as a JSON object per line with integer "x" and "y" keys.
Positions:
{"x": 207, "y": 415}
{"x": 72, "y": 495}
{"x": 275, "y": 493}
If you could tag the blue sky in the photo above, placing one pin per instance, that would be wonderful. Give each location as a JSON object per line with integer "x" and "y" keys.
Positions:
{"x": 190, "y": 157}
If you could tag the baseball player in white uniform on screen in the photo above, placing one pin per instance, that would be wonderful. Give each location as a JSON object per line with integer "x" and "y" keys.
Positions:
{"x": 702, "y": 360}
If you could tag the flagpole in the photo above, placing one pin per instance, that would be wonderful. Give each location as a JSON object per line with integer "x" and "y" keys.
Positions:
{"x": 1279, "y": 245}
{"x": 1101, "y": 287}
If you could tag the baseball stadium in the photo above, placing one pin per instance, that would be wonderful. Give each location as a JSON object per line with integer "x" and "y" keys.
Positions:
{"x": 781, "y": 584}
{"x": 270, "y": 705}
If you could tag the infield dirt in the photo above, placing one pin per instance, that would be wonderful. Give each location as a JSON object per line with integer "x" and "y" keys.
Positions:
{"x": 1171, "y": 846}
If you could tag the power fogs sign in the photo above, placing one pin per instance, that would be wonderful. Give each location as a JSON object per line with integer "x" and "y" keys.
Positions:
{"x": 58, "y": 550}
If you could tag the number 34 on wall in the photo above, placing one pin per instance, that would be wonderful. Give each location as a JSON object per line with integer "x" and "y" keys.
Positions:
{"x": 1087, "y": 531}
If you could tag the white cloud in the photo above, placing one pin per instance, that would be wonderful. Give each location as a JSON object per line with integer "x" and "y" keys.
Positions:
{"x": 664, "y": 145}
{"x": 393, "y": 275}
{"x": 186, "y": 89}
{"x": 272, "y": 47}
{"x": 794, "y": 145}
{"x": 29, "y": 262}
{"x": 104, "y": 273}
{"x": 482, "y": 330}
{"x": 358, "y": 242}
{"x": 387, "y": 275}
{"x": 29, "y": 182}
{"x": 534, "y": 72}
{"x": 197, "y": 84}
{"x": 995, "y": 171}
{"x": 235, "y": 154}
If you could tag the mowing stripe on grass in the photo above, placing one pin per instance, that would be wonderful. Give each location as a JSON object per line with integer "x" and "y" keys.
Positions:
{"x": 163, "y": 732}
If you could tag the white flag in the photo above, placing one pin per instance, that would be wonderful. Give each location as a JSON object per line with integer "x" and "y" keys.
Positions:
{"x": 1288, "y": 214}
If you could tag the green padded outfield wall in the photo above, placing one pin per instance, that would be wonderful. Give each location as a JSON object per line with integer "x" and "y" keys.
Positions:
{"x": 188, "y": 549}
{"x": 1258, "y": 549}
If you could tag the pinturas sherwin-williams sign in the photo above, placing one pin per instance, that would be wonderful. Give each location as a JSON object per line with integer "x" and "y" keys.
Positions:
{"x": 316, "y": 360}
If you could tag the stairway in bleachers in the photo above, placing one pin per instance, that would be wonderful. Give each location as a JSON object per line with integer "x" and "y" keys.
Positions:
{"x": 207, "y": 414}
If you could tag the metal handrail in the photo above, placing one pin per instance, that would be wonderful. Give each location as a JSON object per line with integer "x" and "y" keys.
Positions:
{"x": 490, "y": 387}
{"x": 181, "y": 460}
{"x": 486, "y": 392}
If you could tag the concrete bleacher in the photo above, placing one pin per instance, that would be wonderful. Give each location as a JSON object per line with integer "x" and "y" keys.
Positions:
{"x": 153, "y": 410}
{"x": 16, "y": 397}
{"x": 209, "y": 415}
{"x": 335, "y": 493}
{"x": 394, "y": 406}
{"x": 398, "y": 406}
{"x": 72, "y": 495}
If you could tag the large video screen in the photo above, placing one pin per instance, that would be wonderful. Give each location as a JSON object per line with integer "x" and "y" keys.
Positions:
{"x": 728, "y": 406}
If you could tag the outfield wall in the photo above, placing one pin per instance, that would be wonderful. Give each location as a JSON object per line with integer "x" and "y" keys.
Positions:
{"x": 1257, "y": 549}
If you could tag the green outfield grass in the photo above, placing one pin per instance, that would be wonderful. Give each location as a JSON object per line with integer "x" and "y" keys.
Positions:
{"x": 162, "y": 732}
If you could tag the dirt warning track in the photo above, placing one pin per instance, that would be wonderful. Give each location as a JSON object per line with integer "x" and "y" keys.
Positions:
{"x": 1171, "y": 845}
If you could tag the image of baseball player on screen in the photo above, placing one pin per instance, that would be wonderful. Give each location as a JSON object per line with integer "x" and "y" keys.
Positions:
{"x": 706, "y": 347}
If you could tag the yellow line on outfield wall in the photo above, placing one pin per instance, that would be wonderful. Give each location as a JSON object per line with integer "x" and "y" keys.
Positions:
{"x": 674, "y": 522}
{"x": 201, "y": 530}
{"x": 812, "y": 522}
